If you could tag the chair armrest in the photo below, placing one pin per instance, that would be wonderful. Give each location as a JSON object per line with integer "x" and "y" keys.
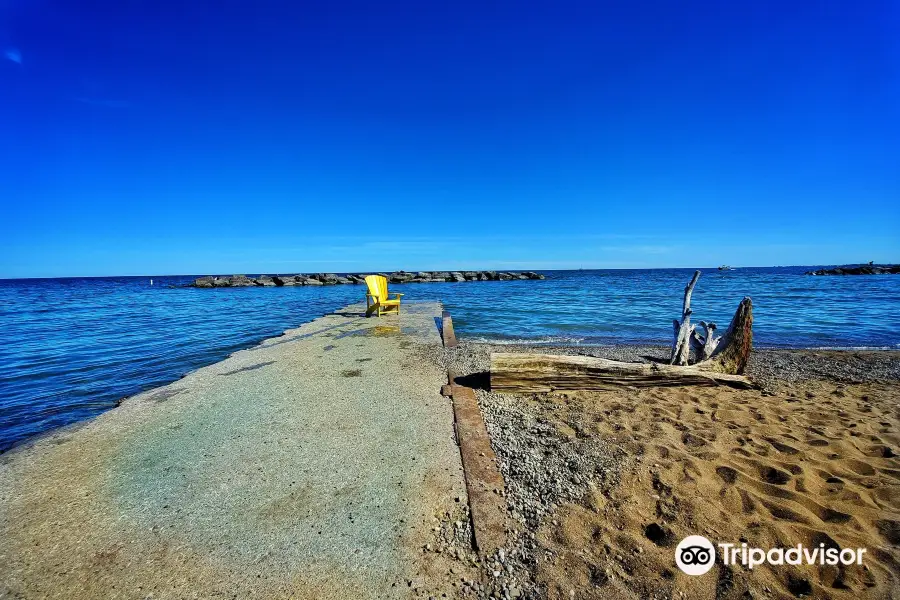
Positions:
{"x": 396, "y": 294}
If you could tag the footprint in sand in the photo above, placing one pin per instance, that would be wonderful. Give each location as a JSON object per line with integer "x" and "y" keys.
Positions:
{"x": 691, "y": 440}
{"x": 889, "y": 530}
{"x": 659, "y": 535}
{"x": 774, "y": 476}
{"x": 835, "y": 484}
{"x": 859, "y": 467}
{"x": 783, "y": 448}
{"x": 727, "y": 474}
{"x": 783, "y": 513}
{"x": 881, "y": 452}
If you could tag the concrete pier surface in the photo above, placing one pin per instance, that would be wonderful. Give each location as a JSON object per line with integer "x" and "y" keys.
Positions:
{"x": 312, "y": 465}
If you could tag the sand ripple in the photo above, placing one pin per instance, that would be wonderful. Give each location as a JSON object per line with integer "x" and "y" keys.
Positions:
{"x": 814, "y": 464}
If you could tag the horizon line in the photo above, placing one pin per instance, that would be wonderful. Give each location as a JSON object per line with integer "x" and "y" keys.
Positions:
{"x": 376, "y": 271}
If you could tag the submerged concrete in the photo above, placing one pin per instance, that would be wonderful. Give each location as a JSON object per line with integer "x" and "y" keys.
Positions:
{"x": 312, "y": 465}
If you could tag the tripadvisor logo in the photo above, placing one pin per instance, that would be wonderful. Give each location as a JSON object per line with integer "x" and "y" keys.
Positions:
{"x": 695, "y": 555}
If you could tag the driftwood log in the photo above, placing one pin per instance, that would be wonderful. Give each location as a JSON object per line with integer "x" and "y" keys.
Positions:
{"x": 518, "y": 373}
{"x": 717, "y": 360}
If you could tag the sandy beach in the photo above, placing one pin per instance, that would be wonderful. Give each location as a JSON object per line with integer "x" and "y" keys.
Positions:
{"x": 603, "y": 485}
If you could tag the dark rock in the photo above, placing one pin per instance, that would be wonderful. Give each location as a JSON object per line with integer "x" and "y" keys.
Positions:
{"x": 222, "y": 282}
{"x": 504, "y": 276}
{"x": 401, "y": 277}
{"x": 241, "y": 281}
{"x": 285, "y": 279}
{"x": 203, "y": 282}
{"x": 311, "y": 281}
{"x": 457, "y": 276}
{"x": 265, "y": 280}
{"x": 869, "y": 269}
{"x": 325, "y": 278}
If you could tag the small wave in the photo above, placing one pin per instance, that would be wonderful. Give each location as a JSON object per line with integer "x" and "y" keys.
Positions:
{"x": 848, "y": 348}
{"x": 573, "y": 341}
{"x": 541, "y": 341}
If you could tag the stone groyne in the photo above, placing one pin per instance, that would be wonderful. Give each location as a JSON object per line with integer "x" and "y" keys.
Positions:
{"x": 870, "y": 269}
{"x": 211, "y": 281}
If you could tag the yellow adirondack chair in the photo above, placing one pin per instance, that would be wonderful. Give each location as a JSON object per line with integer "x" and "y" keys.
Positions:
{"x": 377, "y": 297}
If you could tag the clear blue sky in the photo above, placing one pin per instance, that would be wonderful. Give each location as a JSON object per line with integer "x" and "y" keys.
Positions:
{"x": 215, "y": 137}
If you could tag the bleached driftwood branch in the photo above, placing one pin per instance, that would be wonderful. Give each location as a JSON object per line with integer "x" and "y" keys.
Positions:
{"x": 681, "y": 347}
{"x": 704, "y": 345}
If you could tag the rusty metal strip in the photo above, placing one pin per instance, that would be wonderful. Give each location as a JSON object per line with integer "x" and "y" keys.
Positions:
{"x": 447, "y": 330}
{"x": 484, "y": 483}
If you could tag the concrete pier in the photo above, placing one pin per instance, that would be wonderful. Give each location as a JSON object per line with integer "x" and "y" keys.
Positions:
{"x": 312, "y": 465}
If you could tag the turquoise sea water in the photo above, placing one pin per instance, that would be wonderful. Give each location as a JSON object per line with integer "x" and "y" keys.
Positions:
{"x": 72, "y": 347}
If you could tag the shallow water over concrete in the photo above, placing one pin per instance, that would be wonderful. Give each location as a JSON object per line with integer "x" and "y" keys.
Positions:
{"x": 286, "y": 470}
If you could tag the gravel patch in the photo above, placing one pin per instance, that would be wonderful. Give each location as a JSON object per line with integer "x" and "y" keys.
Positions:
{"x": 543, "y": 466}
{"x": 771, "y": 368}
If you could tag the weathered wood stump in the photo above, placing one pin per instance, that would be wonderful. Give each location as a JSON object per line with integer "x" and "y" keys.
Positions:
{"x": 727, "y": 354}
{"x": 732, "y": 352}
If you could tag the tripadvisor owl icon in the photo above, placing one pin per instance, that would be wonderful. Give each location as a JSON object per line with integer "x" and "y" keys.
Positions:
{"x": 695, "y": 555}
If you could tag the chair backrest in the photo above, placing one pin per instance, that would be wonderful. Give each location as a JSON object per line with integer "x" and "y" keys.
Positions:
{"x": 377, "y": 286}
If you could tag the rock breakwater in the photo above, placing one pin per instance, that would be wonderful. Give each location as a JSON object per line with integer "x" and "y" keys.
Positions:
{"x": 869, "y": 269}
{"x": 212, "y": 281}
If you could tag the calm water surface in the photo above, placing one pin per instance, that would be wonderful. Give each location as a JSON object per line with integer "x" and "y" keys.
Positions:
{"x": 72, "y": 347}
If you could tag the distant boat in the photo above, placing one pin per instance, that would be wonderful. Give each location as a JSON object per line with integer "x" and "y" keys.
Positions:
{"x": 724, "y": 268}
